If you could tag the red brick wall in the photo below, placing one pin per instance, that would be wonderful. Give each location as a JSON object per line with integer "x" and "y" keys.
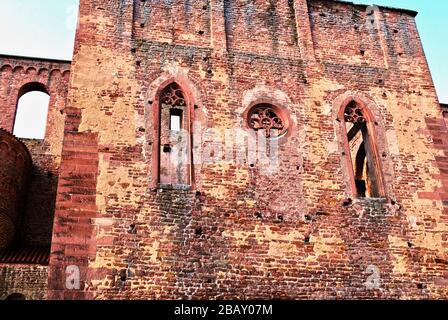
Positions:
{"x": 73, "y": 232}
{"x": 239, "y": 231}
{"x": 264, "y": 27}
{"x": 31, "y": 281}
{"x": 15, "y": 73}
{"x": 37, "y": 196}
{"x": 14, "y": 176}
{"x": 19, "y": 71}
{"x": 188, "y": 23}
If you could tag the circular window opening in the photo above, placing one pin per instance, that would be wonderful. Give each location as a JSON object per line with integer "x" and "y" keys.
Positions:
{"x": 269, "y": 119}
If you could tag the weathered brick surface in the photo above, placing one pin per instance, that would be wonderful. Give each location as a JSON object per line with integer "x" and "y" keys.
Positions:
{"x": 240, "y": 231}
{"x": 16, "y": 73}
{"x": 74, "y": 233}
{"x": 30, "y": 281}
{"x": 15, "y": 169}
{"x": 34, "y": 201}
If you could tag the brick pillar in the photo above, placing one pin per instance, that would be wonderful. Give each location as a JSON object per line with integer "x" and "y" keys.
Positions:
{"x": 74, "y": 242}
{"x": 218, "y": 26}
{"x": 304, "y": 30}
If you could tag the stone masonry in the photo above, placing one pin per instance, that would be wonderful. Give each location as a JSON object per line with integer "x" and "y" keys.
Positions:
{"x": 151, "y": 205}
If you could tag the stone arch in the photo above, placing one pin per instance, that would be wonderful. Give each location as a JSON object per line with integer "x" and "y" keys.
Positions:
{"x": 6, "y": 68}
{"x": 66, "y": 74}
{"x": 30, "y": 70}
{"x": 43, "y": 71}
{"x": 16, "y": 296}
{"x": 55, "y": 73}
{"x": 18, "y": 69}
{"x": 32, "y": 86}
{"x": 188, "y": 83}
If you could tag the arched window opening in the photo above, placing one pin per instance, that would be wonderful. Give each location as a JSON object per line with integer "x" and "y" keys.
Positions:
{"x": 174, "y": 137}
{"x": 16, "y": 296}
{"x": 32, "y": 112}
{"x": 363, "y": 154}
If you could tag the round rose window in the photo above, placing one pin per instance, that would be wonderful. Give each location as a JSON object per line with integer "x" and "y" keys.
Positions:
{"x": 267, "y": 118}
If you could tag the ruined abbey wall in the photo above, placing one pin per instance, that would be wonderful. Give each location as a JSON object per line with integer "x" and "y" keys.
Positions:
{"x": 23, "y": 262}
{"x": 239, "y": 230}
{"x": 232, "y": 226}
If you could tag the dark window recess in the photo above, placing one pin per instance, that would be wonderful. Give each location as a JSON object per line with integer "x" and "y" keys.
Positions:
{"x": 361, "y": 151}
{"x": 16, "y": 296}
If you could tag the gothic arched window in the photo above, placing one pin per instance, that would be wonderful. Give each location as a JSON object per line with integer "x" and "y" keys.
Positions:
{"x": 361, "y": 151}
{"x": 174, "y": 139}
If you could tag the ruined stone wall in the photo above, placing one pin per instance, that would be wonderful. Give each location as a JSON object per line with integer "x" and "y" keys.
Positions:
{"x": 15, "y": 171}
{"x": 242, "y": 230}
{"x": 34, "y": 211}
{"x": 17, "y": 75}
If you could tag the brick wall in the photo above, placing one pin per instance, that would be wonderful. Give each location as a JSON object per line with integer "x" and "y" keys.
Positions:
{"x": 52, "y": 75}
{"x": 30, "y": 281}
{"x": 37, "y": 196}
{"x": 14, "y": 177}
{"x": 241, "y": 231}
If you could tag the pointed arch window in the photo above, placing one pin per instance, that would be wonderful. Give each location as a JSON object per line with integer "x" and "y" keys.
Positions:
{"x": 174, "y": 138}
{"x": 361, "y": 151}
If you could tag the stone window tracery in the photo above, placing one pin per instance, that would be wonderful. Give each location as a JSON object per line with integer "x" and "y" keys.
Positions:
{"x": 353, "y": 113}
{"x": 173, "y": 96}
{"x": 269, "y": 119}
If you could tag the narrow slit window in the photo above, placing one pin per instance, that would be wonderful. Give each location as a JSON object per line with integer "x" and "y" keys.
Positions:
{"x": 175, "y": 120}
{"x": 174, "y": 137}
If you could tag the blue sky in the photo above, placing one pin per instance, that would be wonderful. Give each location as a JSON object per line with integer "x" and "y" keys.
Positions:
{"x": 46, "y": 28}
